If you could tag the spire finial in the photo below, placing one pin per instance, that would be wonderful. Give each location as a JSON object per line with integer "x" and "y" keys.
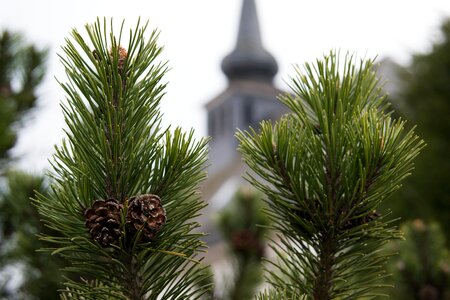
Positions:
{"x": 249, "y": 59}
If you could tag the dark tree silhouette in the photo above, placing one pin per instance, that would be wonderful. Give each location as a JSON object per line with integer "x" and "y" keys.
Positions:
{"x": 425, "y": 99}
{"x": 22, "y": 69}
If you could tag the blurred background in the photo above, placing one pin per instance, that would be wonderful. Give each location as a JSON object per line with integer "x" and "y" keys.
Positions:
{"x": 229, "y": 60}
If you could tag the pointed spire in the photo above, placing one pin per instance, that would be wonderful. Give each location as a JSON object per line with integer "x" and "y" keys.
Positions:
{"x": 249, "y": 59}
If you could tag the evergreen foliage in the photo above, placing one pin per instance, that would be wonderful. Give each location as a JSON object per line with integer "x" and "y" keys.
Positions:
{"x": 422, "y": 268}
{"x": 116, "y": 149}
{"x": 20, "y": 223}
{"x": 280, "y": 295}
{"x": 425, "y": 99}
{"x": 21, "y": 71}
{"x": 325, "y": 168}
{"x": 243, "y": 226}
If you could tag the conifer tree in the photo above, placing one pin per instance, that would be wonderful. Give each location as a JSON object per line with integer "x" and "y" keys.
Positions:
{"x": 38, "y": 276}
{"x": 124, "y": 196}
{"x": 243, "y": 226}
{"x": 22, "y": 69}
{"x": 425, "y": 100}
{"x": 421, "y": 269}
{"x": 325, "y": 168}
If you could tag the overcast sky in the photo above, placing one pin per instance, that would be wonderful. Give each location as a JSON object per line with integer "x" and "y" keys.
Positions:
{"x": 197, "y": 34}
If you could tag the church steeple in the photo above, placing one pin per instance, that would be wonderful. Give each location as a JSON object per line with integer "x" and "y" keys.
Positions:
{"x": 249, "y": 59}
{"x": 249, "y": 97}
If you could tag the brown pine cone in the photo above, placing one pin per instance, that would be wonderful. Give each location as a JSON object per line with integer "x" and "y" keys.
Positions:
{"x": 103, "y": 220}
{"x": 122, "y": 53}
{"x": 246, "y": 242}
{"x": 122, "y": 58}
{"x": 428, "y": 292}
{"x": 145, "y": 212}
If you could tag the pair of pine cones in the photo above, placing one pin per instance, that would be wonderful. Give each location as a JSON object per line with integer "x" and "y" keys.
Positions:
{"x": 145, "y": 216}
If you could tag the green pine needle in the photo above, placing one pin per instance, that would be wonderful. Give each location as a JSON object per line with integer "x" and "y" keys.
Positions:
{"x": 115, "y": 148}
{"x": 325, "y": 168}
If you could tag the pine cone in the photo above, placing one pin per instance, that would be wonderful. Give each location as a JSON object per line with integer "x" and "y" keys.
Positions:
{"x": 123, "y": 55}
{"x": 103, "y": 221}
{"x": 246, "y": 242}
{"x": 145, "y": 213}
{"x": 428, "y": 292}
{"x": 122, "y": 58}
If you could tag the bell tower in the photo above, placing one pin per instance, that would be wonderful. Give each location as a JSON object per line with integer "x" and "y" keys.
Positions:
{"x": 249, "y": 98}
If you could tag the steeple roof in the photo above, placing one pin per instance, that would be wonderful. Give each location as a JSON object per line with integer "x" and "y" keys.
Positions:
{"x": 249, "y": 59}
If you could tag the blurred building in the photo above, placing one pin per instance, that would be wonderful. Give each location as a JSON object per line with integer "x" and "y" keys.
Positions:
{"x": 249, "y": 98}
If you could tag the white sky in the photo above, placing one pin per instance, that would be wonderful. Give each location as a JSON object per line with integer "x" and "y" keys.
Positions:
{"x": 197, "y": 34}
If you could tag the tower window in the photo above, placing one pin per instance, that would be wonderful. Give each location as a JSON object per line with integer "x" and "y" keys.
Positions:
{"x": 247, "y": 110}
{"x": 221, "y": 120}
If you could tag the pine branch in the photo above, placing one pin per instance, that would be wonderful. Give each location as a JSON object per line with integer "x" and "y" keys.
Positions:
{"x": 125, "y": 193}
{"x": 325, "y": 169}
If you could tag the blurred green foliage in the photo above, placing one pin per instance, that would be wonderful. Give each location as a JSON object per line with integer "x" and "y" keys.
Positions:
{"x": 422, "y": 268}
{"x": 21, "y": 71}
{"x": 425, "y": 101}
{"x": 20, "y": 224}
{"x": 24, "y": 272}
{"x": 243, "y": 225}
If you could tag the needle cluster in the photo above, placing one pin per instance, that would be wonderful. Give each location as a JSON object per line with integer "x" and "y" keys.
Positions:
{"x": 124, "y": 193}
{"x": 325, "y": 168}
